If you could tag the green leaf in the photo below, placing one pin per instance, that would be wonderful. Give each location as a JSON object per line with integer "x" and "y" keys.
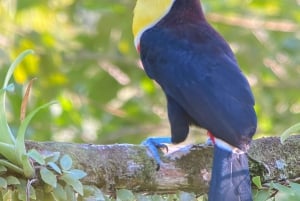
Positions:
{"x": 53, "y": 157}
{"x": 11, "y": 180}
{"x": 256, "y": 180}
{"x": 77, "y": 174}
{"x": 20, "y": 141}
{"x": 48, "y": 177}
{"x": 8, "y": 151}
{"x": 3, "y": 169}
{"x": 36, "y": 156}
{"x": 125, "y": 195}
{"x": 70, "y": 193}
{"x": 75, "y": 183}
{"x": 260, "y": 195}
{"x": 6, "y": 134}
{"x": 14, "y": 65}
{"x": 11, "y": 166}
{"x": 93, "y": 193}
{"x": 66, "y": 162}
{"x": 292, "y": 130}
{"x": 296, "y": 188}
{"x": 3, "y": 183}
{"x": 59, "y": 193}
{"x": 28, "y": 169}
{"x": 21, "y": 190}
{"x": 186, "y": 196}
{"x": 10, "y": 195}
{"x": 55, "y": 167}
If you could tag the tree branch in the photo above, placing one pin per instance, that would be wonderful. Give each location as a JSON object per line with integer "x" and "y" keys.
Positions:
{"x": 111, "y": 167}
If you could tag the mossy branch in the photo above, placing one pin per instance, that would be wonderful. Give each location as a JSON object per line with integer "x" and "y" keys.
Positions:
{"x": 117, "y": 166}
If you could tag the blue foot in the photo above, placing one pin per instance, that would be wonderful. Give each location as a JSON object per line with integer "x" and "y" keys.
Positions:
{"x": 209, "y": 142}
{"x": 155, "y": 143}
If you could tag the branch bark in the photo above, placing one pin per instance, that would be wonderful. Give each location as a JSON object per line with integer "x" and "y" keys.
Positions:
{"x": 112, "y": 167}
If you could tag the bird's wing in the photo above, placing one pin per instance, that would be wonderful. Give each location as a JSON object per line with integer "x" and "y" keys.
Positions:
{"x": 196, "y": 68}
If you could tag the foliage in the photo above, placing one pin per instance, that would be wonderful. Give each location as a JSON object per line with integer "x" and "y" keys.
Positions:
{"x": 11, "y": 148}
{"x": 276, "y": 191}
{"x": 85, "y": 59}
{"x": 61, "y": 182}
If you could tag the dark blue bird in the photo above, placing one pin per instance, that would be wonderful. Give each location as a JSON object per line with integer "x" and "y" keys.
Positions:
{"x": 203, "y": 85}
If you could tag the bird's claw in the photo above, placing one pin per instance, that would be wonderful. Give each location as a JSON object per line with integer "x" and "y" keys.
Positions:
{"x": 153, "y": 144}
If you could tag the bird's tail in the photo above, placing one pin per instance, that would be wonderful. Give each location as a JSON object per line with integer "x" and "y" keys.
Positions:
{"x": 230, "y": 176}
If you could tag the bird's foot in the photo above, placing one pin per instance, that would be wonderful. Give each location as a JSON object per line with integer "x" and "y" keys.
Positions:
{"x": 155, "y": 143}
{"x": 211, "y": 141}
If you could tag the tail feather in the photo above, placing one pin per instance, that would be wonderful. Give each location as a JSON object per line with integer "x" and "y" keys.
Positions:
{"x": 230, "y": 177}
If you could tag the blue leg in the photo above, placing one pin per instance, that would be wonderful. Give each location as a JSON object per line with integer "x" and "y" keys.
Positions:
{"x": 155, "y": 143}
{"x": 209, "y": 142}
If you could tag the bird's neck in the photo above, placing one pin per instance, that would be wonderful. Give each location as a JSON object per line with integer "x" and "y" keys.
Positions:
{"x": 182, "y": 12}
{"x": 149, "y": 13}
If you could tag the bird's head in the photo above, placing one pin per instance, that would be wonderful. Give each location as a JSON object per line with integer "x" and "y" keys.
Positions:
{"x": 146, "y": 14}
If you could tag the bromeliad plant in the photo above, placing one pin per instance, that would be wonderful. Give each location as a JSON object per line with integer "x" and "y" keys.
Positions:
{"x": 12, "y": 149}
{"x": 58, "y": 178}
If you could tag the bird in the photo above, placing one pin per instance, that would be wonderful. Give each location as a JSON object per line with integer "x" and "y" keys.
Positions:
{"x": 204, "y": 87}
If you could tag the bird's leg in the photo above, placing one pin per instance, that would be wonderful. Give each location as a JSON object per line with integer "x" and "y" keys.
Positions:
{"x": 211, "y": 140}
{"x": 155, "y": 143}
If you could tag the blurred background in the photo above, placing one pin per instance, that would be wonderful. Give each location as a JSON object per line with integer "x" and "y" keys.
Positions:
{"x": 85, "y": 59}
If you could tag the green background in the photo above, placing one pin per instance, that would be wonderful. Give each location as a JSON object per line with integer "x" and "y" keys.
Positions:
{"x": 85, "y": 59}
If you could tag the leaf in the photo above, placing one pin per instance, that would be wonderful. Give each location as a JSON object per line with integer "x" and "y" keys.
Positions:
{"x": 291, "y": 130}
{"x": 296, "y": 188}
{"x": 124, "y": 194}
{"x": 14, "y": 65}
{"x": 256, "y": 180}
{"x": 9, "y": 195}
{"x": 3, "y": 183}
{"x": 25, "y": 100}
{"x": 20, "y": 141}
{"x": 21, "y": 190}
{"x": 11, "y": 166}
{"x": 93, "y": 193}
{"x": 28, "y": 169}
{"x": 11, "y": 180}
{"x": 260, "y": 195}
{"x": 48, "y": 177}
{"x": 8, "y": 151}
{"x": 70, "y": 193}
{"x": 66, "y": 162}
{"x": 77, "y": 174}
{"x": 53, "y": 157}
{"x": 6, "y": 134}
{"x": 36, "y": 156}
{"x": 185, "y": 196}
{"x": 3, "y": 169}
{"x": 59, "y": 193}
{"x": 55, "y": 167}
{"x": 75, "y": 183}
